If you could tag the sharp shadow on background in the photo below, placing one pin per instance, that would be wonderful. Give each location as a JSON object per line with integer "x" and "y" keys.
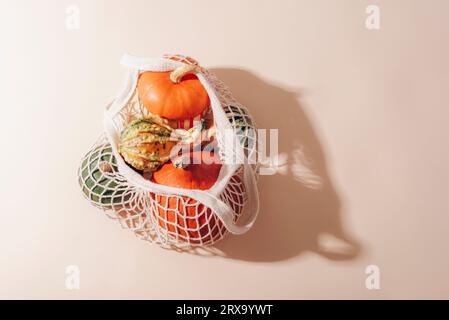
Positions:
{"x": 297, "y": 206}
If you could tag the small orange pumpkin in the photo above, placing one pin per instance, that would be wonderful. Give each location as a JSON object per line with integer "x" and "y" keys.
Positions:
{"x": 186, "y": 218}
{"x": 176, "y": 95}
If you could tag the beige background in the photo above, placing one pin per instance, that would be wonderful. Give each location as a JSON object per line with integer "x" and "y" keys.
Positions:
{"x": 368, "y": 110}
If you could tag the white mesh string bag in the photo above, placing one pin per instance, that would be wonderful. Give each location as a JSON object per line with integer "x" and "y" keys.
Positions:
{"x": 174, "y": 217}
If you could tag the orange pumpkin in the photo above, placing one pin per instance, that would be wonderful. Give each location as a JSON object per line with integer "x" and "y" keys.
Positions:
{"x": 176, "y": 95}
{"x": 184, "y": 217}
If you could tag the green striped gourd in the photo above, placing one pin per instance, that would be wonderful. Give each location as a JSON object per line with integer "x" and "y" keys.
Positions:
{"x": 242, "y": 124}
{"x": 145, "y": 144}
{"x": 101, "y": 188}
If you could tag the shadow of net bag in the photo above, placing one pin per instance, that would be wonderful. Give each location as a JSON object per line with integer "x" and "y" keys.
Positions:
{"x": 169, "y": 216}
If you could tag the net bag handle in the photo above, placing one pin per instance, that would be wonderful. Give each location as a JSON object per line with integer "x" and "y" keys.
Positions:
{"x": 209, "y": 198}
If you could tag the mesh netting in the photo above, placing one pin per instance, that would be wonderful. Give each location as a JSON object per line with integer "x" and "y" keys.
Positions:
{"x": 170, "y": 220}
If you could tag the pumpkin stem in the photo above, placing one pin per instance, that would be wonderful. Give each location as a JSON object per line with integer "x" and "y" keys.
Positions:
{"x": 181, "y": 162}
{"x": 177, "y": 74}
{"x": 105, "y": 167}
